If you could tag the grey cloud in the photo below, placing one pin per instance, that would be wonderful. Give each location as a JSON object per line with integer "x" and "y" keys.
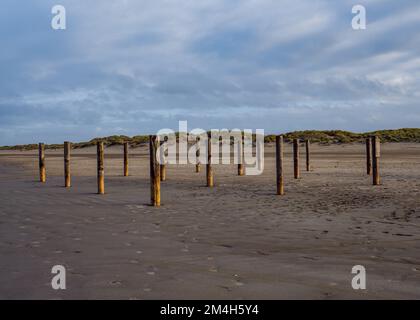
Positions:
{"x": 136, "y": 66}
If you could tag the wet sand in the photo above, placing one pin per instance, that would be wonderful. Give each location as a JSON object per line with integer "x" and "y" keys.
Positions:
{"x": 235, "y": 241}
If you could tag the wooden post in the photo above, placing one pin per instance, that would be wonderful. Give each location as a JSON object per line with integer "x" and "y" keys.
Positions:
{"x": 154, "y": 172}
{"x": 210, "y": 180}
{"x": 162, "y": 165}
{"x": 100, "y": 166}
{"x": 279, "y": 165}
{"x": 376, "y": 154}
{"x": 42, "y": 173}
{"x": 67, "y": 177}
{"x": 125, "y": 159}
{"x": 197, "y": 154}
{"x": 296, "y": 158}
{"x": 368, "y": 156}
{"x": 308, "y": 155}
{"x": 241, "y": 165}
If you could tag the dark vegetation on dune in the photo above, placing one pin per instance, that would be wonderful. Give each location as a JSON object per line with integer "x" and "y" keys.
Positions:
{"x": 316, "y": 136}
{"x": 340, "y": 136}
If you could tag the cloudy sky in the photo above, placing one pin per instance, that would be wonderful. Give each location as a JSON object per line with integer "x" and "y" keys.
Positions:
{"x": 136, "y": 66}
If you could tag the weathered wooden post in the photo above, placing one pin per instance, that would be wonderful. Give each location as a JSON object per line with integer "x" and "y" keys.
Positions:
{"x": 296, "y": 158}
{"x": 67, "y": 176}
{"x": 308, "y": 155}
{"x": 197, "y": 155}
{"x": 209, "y": 171}
{"x": 279, "y": 165}
{"x": 376, "y": 154}
{"x": 100, "y": 166}
{"x": 368, "y": 156}
{"x": 154, "y": 172}
{"x": 241, "y": 165}
{"x": 162, "y": 163}
{"x": 125, "y": 159}
{"x": 42, "y": 173}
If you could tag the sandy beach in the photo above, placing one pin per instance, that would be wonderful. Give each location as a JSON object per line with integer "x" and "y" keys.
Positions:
{"x": 237, "y": 240}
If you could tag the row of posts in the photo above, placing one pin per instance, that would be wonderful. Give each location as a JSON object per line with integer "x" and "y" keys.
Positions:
{"x": 158, "y": 171}
{"x": 296, "y": 162}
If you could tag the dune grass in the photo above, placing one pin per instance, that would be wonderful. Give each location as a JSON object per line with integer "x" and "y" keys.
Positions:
{"x": 316, "y": 136}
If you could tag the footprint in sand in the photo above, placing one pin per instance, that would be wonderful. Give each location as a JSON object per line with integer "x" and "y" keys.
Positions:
{"x": 151, "y": 271}
{"x": 35, "y": 243}
{"x": 115, "y": 283}
{"x": 237, "y": 281}
{"x": 226, "y": 288}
